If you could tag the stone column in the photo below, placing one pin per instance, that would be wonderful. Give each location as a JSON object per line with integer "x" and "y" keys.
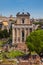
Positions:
{"x": 25, "y": 34}
{"x": 17, "y": 35}
{"x": 13, "y": 35}
{"x": 20, "y": 35}
{"x": 28, "y": 31}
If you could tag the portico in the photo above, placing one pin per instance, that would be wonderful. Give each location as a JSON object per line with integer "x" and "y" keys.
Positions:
{"x": 20, "y": 32}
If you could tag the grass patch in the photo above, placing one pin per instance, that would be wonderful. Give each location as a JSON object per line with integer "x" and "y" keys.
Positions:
{"x": 33, "y": 53}
{"x": 2, "y": 43}
{"x": 10, "y": 55}
{"x": 13, "y": 54}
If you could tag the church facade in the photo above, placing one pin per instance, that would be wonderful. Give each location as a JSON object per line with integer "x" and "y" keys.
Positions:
{"x": 22, "y": 28}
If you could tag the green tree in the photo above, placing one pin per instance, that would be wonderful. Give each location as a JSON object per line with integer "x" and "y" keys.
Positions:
{"x": 1, "y": 34}
{"x": 5, "y": 33}
{"x": 35, "y": 41}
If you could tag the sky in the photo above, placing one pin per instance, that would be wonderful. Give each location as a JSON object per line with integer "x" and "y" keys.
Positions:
{"x": 34, "y": 7}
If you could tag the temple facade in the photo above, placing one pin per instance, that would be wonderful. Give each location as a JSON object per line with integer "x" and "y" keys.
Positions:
{"x": 22, "y": 28}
